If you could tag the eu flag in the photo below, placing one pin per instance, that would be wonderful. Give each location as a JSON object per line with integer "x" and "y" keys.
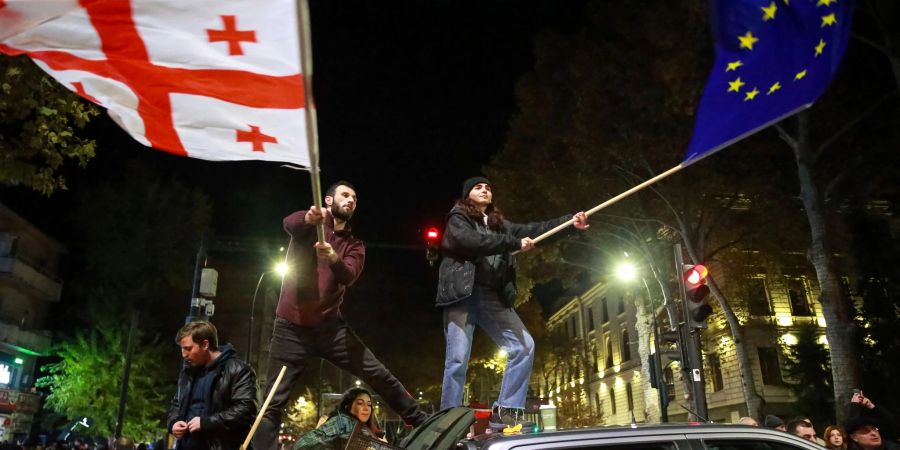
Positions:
{"x": 773, "y": 58}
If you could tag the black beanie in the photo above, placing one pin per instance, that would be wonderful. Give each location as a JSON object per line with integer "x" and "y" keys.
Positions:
{"x": 470, "y": 183}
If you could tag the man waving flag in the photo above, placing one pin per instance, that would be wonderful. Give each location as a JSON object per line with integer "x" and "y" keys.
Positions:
{"x": 207, "y": 79}
{"x": 773, "y": 58}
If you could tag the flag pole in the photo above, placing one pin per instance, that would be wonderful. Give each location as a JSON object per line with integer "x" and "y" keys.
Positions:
{"x": 312, "y": 131}
{"x": 615, "y": 199}
{"x": 262, "y": 410}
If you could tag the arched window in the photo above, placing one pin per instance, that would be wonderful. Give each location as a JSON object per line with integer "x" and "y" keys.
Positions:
{"x": 612, "y": 400}
{"x": 628, "y": 397}
{"x": 609, "y": 353}
{"x": 626, "y": 346}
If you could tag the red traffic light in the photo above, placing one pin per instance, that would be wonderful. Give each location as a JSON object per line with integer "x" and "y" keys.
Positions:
{"x": 695, "y": 274}
{"x": 432, "y": 234}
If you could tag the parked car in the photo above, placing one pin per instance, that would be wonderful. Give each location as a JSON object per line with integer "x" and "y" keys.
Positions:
{"x": 646, "y": 437}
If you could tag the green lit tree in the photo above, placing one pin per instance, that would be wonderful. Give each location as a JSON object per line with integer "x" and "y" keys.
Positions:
{"x": 87, "y": 378}
{"x": 39, "y": 123}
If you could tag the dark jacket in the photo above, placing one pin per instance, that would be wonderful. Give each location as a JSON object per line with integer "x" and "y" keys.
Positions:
{"x": 231, "y": 406}
{"x": 309, "y": 304}
{"x": 468, "y": 243}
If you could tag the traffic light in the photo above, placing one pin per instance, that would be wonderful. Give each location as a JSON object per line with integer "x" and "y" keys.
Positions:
{"x": 696, "y": 291}
{"x": 432, "y": 243}
{"x": 670, "y": 345}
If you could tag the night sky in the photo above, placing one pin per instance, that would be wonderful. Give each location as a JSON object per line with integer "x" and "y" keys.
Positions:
{"x": 413, "y": 97}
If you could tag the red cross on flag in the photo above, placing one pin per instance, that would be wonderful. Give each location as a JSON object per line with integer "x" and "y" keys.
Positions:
{"x": 210, "y": 79}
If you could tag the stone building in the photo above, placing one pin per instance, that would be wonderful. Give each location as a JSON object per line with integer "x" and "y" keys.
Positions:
{"x": 29, "y": 284}
{"x": 604, "y": 376}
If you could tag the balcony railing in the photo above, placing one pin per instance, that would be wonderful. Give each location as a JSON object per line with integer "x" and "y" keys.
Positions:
{"x": 37, "y": 342}
{"x": 31, "y": 276}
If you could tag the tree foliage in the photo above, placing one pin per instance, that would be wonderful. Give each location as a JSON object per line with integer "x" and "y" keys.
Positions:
{"x": 139, "y": 234}
{"x": 808, "y": 367}
{"x": 88, "y": 376}
{"x": 39, "y": 124}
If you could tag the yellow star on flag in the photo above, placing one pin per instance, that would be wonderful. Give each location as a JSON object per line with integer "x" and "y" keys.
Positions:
{"x": 748, "y": 40}
{"x": 774, "y": 88}
{"x": 820, "y": 47}
{"x": 751, "y": 94}
{"x": 732, "y": 66}
{"x": 828, "y": 20}
{"x": 735, "y": 86}
{"x": 769, "y": 11}
{"x": 800, "y": 75}
{"x": 825, "y": 2}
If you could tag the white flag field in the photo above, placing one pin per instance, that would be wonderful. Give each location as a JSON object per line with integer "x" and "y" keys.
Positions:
{"x": 209, "y": 79}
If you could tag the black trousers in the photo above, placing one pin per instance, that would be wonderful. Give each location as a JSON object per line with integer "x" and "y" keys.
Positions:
{"x": 293, "y": 346}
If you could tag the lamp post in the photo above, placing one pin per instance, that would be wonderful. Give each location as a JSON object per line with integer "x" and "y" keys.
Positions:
{"x": 281, "y": 269}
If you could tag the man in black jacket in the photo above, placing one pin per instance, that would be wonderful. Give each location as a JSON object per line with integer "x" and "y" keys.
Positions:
{"x": 215, "y": 404}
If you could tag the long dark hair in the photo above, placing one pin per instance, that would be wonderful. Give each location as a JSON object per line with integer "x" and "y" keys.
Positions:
{"x": 495, "y": 216}
{"x": 347, "y": 402}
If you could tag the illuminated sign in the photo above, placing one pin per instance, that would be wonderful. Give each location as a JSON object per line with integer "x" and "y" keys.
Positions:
{"x": 5, "y": 374}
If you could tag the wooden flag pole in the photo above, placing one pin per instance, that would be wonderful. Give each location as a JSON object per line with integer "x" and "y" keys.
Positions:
{"x": 263, "y": 409}
{"x": 613, "y": 200}
{"x": 312, "y": 131}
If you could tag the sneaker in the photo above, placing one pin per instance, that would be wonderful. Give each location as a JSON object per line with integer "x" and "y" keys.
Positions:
{"x": 509, "y": 420}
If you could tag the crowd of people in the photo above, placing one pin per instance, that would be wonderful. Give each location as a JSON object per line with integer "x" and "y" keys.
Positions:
{"x": 867, "y": 427}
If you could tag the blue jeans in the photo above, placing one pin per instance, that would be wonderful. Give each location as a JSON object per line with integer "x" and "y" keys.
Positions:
{"x": 506, "y": 329}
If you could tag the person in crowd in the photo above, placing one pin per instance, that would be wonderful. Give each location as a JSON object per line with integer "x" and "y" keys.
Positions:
{"x": 803, "y": 429}
{"x": 774, "y": 422}
{"x": 215, "y": 403}
{"x": 862, "y": 406}
{"x": 308, "y": 318}
{"x": 834, "y": 438}
{"x": 476, "y": 287}
{"x": 863, "y": 434}
{"x": 355, "y": 408}
{"x": 747, "y": 420}
{"x": 819, "y": 440}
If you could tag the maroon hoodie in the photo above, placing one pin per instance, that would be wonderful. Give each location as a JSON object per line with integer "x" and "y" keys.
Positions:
{"x": 299, "y": 302}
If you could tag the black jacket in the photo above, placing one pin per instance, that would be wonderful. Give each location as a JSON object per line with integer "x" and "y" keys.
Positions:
{"x": 465, "y": 245}
{"x": 231, "y": 406}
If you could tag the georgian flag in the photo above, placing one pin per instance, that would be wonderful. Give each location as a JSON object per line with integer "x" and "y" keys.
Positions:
{"x": 209, "y": 79}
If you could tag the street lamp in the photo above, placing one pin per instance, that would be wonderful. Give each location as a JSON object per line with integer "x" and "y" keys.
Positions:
{"x": 281, "y": 269}
{"x": 626, "y": 271}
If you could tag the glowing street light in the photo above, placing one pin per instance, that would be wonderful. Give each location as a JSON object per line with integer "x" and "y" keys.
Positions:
{"x": 626, "y": 272}
{"x": 281, "y": 268}
{"x": 501, "y": 354}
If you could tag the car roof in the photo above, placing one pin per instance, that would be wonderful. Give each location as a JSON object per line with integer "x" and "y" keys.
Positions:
{"x": 500, "y": 441}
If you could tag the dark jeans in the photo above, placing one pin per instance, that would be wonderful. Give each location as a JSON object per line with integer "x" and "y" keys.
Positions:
{"x": 293, "y": 346}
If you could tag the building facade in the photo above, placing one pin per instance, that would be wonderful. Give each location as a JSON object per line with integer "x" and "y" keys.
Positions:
{"x": 607, "y": 376}
{"x": 29, "y": 283}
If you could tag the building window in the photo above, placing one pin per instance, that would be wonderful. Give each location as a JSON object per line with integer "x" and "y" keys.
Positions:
{"x": 626, "y": 346}
{"x": 758, "y": 297}
{"x": 612, "y": 400}
{"x": 622, "y": 304}
{"x": 596, "y": 359}
{"x": 714, "y": 373}
{"x": 669, "y": 378}
{"x": 604, "y": 313}
{"x": 609, "y": 355}
{"x": 799, "y": 297}
{"x": 597, "y": 402}
{"x": 628, "y": 397}
{"x": 574, "y": 321}
{"x": 769, "y": 366}
{"x": 590, "y": 318}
